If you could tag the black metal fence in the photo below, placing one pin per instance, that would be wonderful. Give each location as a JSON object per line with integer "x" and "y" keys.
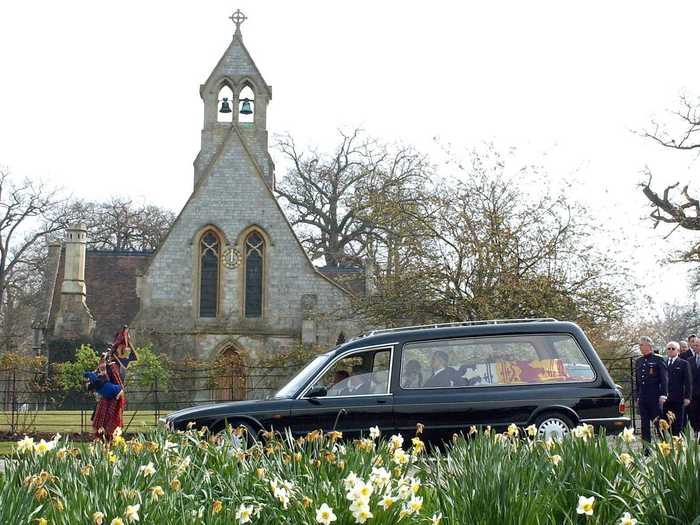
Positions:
{"x": 30, "y": 401}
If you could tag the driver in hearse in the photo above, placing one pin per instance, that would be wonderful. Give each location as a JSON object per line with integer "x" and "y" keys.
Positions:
{"x": 357, "y": 383}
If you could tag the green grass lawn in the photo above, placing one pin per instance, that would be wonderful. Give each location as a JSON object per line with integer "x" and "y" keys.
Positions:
{"x": 64, "y": 421}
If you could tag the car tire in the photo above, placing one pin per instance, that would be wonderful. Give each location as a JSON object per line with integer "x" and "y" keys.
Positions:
{"x": 248, "y": 439}
{"x": 553, "y": 425}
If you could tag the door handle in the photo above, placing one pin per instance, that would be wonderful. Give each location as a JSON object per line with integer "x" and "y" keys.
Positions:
{"x": 381, "y": 401}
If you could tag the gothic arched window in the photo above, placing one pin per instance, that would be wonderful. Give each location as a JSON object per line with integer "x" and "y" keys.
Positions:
{"x": 209, "y": 259}
{"x": 254, "y": 259}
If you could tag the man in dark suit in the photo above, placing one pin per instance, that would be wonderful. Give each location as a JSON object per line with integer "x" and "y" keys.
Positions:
{"x": 652, "y": 385}
{"x": 688, "y": 352}
{"x": 693, "y": 410}
{"x": 680, "y": 387}
{"x": 443, "y": 375}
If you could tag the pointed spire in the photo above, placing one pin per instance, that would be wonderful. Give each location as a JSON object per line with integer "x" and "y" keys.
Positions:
{"x": 238, "y": 18}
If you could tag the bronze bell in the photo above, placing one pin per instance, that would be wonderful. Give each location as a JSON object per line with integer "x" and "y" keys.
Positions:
{"x": 245, "y": 107}
{"x": 225, "y": 107}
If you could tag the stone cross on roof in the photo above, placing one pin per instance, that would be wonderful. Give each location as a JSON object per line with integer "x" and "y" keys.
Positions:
{"x": 238, "y": 18}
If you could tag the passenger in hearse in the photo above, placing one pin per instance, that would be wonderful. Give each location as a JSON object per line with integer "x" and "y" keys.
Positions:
{"x": 443, "y": 374}
{"x": 413, "y": 375}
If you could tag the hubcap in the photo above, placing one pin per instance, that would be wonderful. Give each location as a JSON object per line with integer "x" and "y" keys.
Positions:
{"x": 552, "y": 428}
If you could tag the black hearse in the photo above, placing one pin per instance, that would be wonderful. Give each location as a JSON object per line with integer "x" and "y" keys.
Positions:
{"x": 447, "y": 377}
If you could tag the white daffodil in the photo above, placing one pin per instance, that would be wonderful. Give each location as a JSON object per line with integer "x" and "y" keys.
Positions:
{"x": 147, "y": 470}
{"x": 396, "y": 441}
{"x": 627, "y": 519}
{"x": 132, "y": 513}
{"x": 350, "y": 481}
{"x": 585, "y": 505}
{"x": 381, "y": 477}
{"x": 324, "y": 515}
{"x": 244, "y": 513}
{"x": 436, "y": 519}
{"x": 374, "y": 432}
{"x": 25, "y": 445}
{"x": 387, "y": 502}
{"x": 627, "y": 435}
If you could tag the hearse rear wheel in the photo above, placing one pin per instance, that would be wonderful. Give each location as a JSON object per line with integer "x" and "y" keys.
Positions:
{"x": 553, "y": 426}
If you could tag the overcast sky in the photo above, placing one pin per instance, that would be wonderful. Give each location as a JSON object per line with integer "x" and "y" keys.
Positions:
{"x": 102, "y": 98}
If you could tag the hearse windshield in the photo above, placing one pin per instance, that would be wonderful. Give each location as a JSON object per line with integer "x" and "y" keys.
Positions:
{"x": 302, "y": 377}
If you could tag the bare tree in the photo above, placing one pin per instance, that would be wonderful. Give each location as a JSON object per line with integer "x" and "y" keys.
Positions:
{"x": 29, "y": 213}
{"x": 334, "y": 200}
{"x": 676, "y": 205}
{"x": 671, "y": 206}
{"x": 120, "y": 224}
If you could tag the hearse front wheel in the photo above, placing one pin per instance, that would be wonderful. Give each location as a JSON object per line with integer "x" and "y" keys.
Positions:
{"x": 241, "y": 435}
{"x": 553, "y": 426}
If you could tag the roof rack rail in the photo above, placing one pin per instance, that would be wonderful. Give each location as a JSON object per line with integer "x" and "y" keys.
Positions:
{"x": 459, "y": 323}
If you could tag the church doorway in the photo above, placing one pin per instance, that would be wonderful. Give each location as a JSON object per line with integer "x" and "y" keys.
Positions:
{"x": 230, "y": 380}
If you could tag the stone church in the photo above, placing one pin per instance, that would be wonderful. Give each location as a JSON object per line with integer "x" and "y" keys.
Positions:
{"x": 230, "y": 277}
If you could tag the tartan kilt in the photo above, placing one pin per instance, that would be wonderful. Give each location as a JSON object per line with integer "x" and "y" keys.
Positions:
{"x": 108, "y": 416}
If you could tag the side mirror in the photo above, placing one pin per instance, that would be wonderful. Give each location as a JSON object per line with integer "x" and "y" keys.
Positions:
{"x": 317, "y": 391}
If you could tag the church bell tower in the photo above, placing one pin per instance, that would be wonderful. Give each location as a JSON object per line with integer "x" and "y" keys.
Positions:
{"x": 235, "y": 100}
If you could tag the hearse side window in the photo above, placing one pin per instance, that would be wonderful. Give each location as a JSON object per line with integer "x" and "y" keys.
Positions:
{"x": 498, "y": 360}
{"x": 358, "y": 374}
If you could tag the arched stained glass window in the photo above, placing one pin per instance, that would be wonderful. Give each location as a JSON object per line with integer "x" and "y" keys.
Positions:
{"x": 254, "y": 256}
{"x": 209, "y": 256}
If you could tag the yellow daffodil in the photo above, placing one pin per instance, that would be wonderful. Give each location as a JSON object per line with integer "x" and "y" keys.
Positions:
{"x": 175, "y": 485}
{"x": 217, "y": 506}
{"x": 531, "y": 431}
{"x": 513, "y": 430}
{"x": 116, "y": 521}
{"x": 418, "y": 445}
{"x": 98, "y": 518}
{"x": 664, "y": 447}
{"x": 57, "y": 504}
{"x": 627, "y": 519}
{"x": 415, "y": 504}
{"x": 555, "y": 459}
{"x": 663, "y": 425}
{"x": 87, "y": 469}
{"x": 306, "y": 502}
{"x": 625, "y": 459}
{"x": 157, "y": 492}
{"x": 112, "y": 458}
{"x": 334, "y": 435}
{"x": 41, "y": 494}
{"x": 325, "y": 515}
{"x": 42, "y": 521}
{"x": 260, "y": 472}
{"x": 585, "y": 505}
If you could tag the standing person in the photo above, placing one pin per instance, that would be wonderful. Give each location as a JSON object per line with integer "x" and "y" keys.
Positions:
{"x": 684, "y": 349}
{"x": 693, "y": 410}
{"x": 123, "y": 350}
{"x": 687, "y": 351}
{"x": 652, "y": 385}
{"x": 109, "y": 413}
{"x": 679, "y": 387}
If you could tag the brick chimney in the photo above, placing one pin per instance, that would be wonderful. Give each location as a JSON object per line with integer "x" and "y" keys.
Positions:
{"x": 74, "y": 319}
